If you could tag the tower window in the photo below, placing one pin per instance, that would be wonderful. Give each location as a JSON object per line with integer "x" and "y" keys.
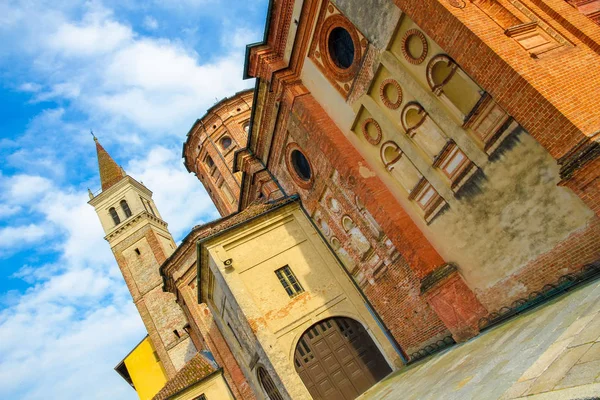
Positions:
{"x": 125, "y": 208}
{"x": 288, "y": 281}
{"x": 114, "y": 215}
{"x": 226, "y": 142}
{"x": 246, "y": 126}
{"x": 151, "y": 209}
{"x": 210, "y": 162}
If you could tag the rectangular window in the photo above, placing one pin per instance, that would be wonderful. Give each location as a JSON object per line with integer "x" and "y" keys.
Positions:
{"x": 201, "y": 397}
{"x": 289, "y": 281}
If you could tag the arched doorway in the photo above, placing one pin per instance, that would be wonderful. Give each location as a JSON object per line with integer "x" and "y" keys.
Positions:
{"x": 337, "y": 360}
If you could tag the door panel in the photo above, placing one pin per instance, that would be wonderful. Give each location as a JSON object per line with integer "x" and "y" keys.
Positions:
{"x": 337, "y": 359}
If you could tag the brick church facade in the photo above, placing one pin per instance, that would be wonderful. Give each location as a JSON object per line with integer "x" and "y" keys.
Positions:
{"x": 441, "y": 158}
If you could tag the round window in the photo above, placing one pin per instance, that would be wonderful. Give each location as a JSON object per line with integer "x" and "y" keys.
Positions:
{"x": 301, "y": 165}
{"x": 341, "y": 48}
{"x": 226, "y": 142}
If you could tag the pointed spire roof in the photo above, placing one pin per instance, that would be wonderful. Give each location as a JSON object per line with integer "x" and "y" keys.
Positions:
{"x": 110, "y": 171}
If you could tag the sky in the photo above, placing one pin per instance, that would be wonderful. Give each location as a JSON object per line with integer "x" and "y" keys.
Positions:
{"x": 138, "y": 74}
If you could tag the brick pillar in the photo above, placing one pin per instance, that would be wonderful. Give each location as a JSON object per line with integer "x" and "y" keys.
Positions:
{"x": 453, "y": 301}
{"x": 216, "y": 343}
{"x": 580, "y": 172}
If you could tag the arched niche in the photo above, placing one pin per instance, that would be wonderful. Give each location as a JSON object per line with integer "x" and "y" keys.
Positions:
{"x": 452, "y": 86}
{"x": 405, "y": 173}
{"x": 423, "y": 130}
{"x": 357, "y": 239}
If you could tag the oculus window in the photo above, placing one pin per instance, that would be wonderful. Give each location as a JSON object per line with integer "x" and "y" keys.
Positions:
{"x": 301, "y": 165}
{"x": 341, "y": 48}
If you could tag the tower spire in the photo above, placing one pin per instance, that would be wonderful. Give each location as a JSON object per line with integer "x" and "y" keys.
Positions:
{"x": 110, "y": 171}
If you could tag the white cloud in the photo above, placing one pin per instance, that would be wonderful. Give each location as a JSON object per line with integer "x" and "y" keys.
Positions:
{"x": 94, "y": 36}
{"x": 30, "y": 87}
{"x": 150, "y": 23}
{"x": 19, "y": 236}
{"x": 61, "y": 337}
{"x": 25, "y": 188}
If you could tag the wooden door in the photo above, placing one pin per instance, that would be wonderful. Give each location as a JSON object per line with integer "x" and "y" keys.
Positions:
{"x": 337, "y": 360}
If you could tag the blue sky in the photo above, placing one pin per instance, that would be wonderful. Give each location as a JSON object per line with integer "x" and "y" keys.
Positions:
{"x": 138, "y": 74}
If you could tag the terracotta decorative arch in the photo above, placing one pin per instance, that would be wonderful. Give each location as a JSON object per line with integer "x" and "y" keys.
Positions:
{"x": 412, "y": 129}
{"x": 389, "y": 164}
{"x": 436, "y": 88}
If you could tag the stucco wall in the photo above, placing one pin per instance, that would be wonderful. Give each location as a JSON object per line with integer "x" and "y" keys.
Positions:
{"x": 266, "y": 320}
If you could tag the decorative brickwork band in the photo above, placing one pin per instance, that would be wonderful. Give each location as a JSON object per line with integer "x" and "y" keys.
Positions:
{"x": 453, "y": 301}
{"x": 579, "y": 156}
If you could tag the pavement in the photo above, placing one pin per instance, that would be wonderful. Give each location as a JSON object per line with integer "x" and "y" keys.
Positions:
{"x": 551, "y": 352}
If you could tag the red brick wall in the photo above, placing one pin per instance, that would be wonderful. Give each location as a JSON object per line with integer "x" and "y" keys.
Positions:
{"x": 585, "y": 182}
{"x": 547, "y": 96}
{"x": 218, "y": 347}
{"x": 394, "y": 293}
{"x": 569, "y": 256}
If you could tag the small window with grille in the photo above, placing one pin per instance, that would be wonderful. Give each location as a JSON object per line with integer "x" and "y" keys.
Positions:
{"x": 268, "y": 385}
{"x": 288, "y": 281}
{"x": 201, "y": 397}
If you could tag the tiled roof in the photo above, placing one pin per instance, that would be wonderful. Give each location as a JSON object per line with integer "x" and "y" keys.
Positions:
{"x": 110, "y": 172}
{"x": 193, "y": 372}
{"x": 200, "y": 232}
{"x": 249, "y": 212}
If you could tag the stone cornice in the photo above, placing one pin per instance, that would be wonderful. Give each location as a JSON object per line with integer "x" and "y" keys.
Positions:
{"x": 129, "y": 222}
{"x": 127, "y": 180}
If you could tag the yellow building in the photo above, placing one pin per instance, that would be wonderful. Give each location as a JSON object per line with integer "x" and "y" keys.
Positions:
{"x": 142, "y": 369}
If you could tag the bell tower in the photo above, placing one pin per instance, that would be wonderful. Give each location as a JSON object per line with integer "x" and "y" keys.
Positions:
{"x": 141, "y": 242}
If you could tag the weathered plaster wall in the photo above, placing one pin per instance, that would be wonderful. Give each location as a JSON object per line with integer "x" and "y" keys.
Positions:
{"x": 378, "y": 29}
{"x": 266, "y": 320}
{"x": 510, "y": 213}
